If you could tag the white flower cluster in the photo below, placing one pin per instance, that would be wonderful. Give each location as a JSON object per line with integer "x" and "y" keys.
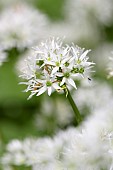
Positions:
{"x": 86, "y": 97}
{"x": 38, "y": 153}
{"x": 82, "y": 20}
{"x": 53, "y": 66}
{"x": 97, "y": 8}
{"x": 100, "y": 57}
{"x": 21, "y": 25}
{"x": 65, "y": 151}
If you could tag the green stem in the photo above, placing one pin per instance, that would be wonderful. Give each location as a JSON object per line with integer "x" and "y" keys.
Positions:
{"x": 74, "y": 107}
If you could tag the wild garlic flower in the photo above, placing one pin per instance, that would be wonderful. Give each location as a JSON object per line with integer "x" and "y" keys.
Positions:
{"x": 54, "y": 67}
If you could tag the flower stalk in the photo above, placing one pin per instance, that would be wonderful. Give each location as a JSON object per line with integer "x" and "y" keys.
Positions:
{"x": 54, "y": 67}
{"x": 74, "y": 107}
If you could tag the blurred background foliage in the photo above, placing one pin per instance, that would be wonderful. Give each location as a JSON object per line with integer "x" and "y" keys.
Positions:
{"x": 20, "y": 117}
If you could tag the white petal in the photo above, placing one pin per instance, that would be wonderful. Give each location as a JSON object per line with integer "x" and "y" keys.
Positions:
{"x": 33, "y": 93}
{"x": 50, "y": 63}
{"x": 49, "y": 90}
{"x": 72, "y": 83}
{"x": 84, "y": 54}
{"x": 65, "y": 51}
{"x": 63, "y": 81}
{"x": 59, "y": 74}
{"x": 55, "y": 69}
{"x": 56, "y": 86}
{"x": 65, "y": 59}
{"x": 86, "y": 64}
{"x": 41, "y": 90}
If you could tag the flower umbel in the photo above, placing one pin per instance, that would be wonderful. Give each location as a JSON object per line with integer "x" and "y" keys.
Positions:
{"x": 54, "y": 67}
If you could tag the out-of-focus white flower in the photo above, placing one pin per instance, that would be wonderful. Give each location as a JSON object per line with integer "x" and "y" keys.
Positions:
{"x": 55, "y": 67}
{"x": 36, "y": 151}
{"x": 56, "y": 110}
{"x": 100, "y": 56}
{"x": 15, "y": 155}
{"x": 97, "y": 7}
{"x": 14, "y": 146}
{"x": 82, "y": 20}
{"x": 109, "y": 137}
{"x": 67, "y": 149}
{"x": 21, "y": 26}
{"x": 62, "y": 111}
{"x": 53, "y": 166}
{"x": 110, "y": 67}
{"x": 86, "y": 97}
{"x": 3, "y": 57}
{"x": 41, "y": 153}
{"x": 17, "y": 158}
{"x": 102, "y": 53}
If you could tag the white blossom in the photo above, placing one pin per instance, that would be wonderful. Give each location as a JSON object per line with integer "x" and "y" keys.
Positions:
{"x": 47, "y": 108}
{"x": 40, "y": 153}
{"x": 53, "y": 66}
{"x": 21, "y": 26}
{"x": 98, "y": 7}
{"x": 100, "y": 56}
{"x": 67, "y": 150}
{"x": 86, "y": 97}
{"x": 14, "y": 146}
{"x": 82, "y": 19}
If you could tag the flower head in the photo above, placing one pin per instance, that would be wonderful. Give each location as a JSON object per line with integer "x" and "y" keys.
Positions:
{"x": 54, "y": 67}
